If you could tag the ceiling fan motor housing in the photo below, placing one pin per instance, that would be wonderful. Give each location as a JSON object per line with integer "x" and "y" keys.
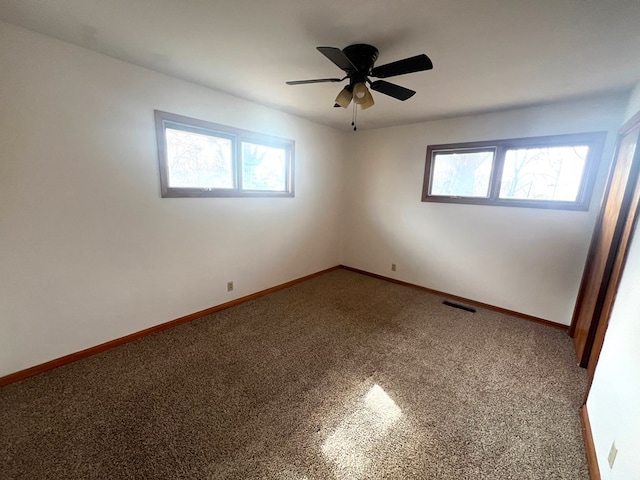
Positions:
{"x": 363, "y": 57}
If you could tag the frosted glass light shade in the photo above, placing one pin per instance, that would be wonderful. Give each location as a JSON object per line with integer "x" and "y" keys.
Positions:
{"x": 360, "y": 93}
{"x": 344, "y": 97}
{"x": 368, "y": 101}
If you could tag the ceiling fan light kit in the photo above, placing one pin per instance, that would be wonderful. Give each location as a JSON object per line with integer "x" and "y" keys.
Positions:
{"x": 359, "y": 92}
{"x": 357, "y": 61}
{"x": 344, "y": 97}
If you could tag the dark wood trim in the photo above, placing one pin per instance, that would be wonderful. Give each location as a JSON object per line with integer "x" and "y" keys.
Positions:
{"x": 58, "y": 362}
{"x": 87, "y": 352}
{"x": 595, "y": 141}
{"x": 614, "y": 282}
{"x": 607, "y": 251}
{"x": 620, "y": 260}
{"x": 628, "y": 126}
{"x": 486, "y": 306}
{"x": 592, "y": 248}
{"x": 589, "y": 447}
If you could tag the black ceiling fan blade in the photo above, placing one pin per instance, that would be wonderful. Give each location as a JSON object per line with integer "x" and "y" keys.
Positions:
{"x": 316, "y": 80}
{"x": 408, "y": 65}
{"x": 338, "y": 57}
{"x": 393, "y": 90}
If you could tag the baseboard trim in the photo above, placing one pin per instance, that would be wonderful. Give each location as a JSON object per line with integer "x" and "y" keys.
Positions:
{"x": 58, "y": 362}
{"x": 73, "y": 357}
{"x": 486, "y": 306}
{"x": 590, "y": 449}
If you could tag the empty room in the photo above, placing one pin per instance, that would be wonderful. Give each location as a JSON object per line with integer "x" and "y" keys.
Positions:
{"x": 303, "y": 240}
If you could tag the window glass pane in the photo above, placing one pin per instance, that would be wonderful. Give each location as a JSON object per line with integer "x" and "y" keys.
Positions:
{"x": 461, "y": 174}
{"x": 196, "y": 160}
{"x": 545, "y": 173}
{"x": 264, "y": 168}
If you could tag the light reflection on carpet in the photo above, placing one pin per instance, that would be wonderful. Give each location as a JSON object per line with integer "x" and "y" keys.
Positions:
{"x": 351, "y": 445}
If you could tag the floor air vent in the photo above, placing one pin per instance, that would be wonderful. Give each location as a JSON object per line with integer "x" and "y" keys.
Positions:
{"x": 461, "y": 307}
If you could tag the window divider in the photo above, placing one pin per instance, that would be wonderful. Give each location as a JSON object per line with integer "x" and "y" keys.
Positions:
{"x": 496, "y": 175}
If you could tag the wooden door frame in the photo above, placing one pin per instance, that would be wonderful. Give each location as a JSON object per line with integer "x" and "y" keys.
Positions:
{"x": 620, "y": 245}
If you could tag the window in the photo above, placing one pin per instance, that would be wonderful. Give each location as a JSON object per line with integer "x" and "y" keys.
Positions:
{"x": 203, "y": 159}
{"x": 542, "y": 172}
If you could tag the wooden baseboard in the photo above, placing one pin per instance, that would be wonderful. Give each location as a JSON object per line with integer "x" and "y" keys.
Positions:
{"x": 58, "y": 362}
{"x": 486, "y": 306}
{"x": 590, "y": 449}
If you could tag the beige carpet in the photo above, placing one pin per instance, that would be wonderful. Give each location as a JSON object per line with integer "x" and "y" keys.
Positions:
{"x": 340, "y": 377}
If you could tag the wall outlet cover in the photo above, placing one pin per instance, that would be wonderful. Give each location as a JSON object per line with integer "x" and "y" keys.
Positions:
{"x": 612, "y": 454}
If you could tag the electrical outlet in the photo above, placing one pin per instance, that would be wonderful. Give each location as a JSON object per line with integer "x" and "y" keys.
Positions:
{"x": 612, "y": 454}
{"x": 393, "y": 267}
{"x": 229, "y": 286}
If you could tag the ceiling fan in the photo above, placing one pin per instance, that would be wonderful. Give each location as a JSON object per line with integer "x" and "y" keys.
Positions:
{"x": 357, "y": 62}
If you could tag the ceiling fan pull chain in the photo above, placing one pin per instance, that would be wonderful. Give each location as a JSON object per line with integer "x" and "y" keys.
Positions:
{"x": 354, "y": 117}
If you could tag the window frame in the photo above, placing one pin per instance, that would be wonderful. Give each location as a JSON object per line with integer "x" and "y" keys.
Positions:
{"x": 237, "y": 137}
{"x": 594, "y": 140}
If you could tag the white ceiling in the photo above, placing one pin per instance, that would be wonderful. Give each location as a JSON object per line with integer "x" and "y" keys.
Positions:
{"x": 487, "y": 54}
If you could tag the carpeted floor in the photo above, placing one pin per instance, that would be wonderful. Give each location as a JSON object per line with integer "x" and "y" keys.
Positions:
{"x": 340, "y": 377}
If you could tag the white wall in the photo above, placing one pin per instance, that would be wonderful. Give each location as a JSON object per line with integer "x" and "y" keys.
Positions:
{"x": 88, "y": 250}
{"x": 526, "y": 260}
{"x": 614, "y": 398}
